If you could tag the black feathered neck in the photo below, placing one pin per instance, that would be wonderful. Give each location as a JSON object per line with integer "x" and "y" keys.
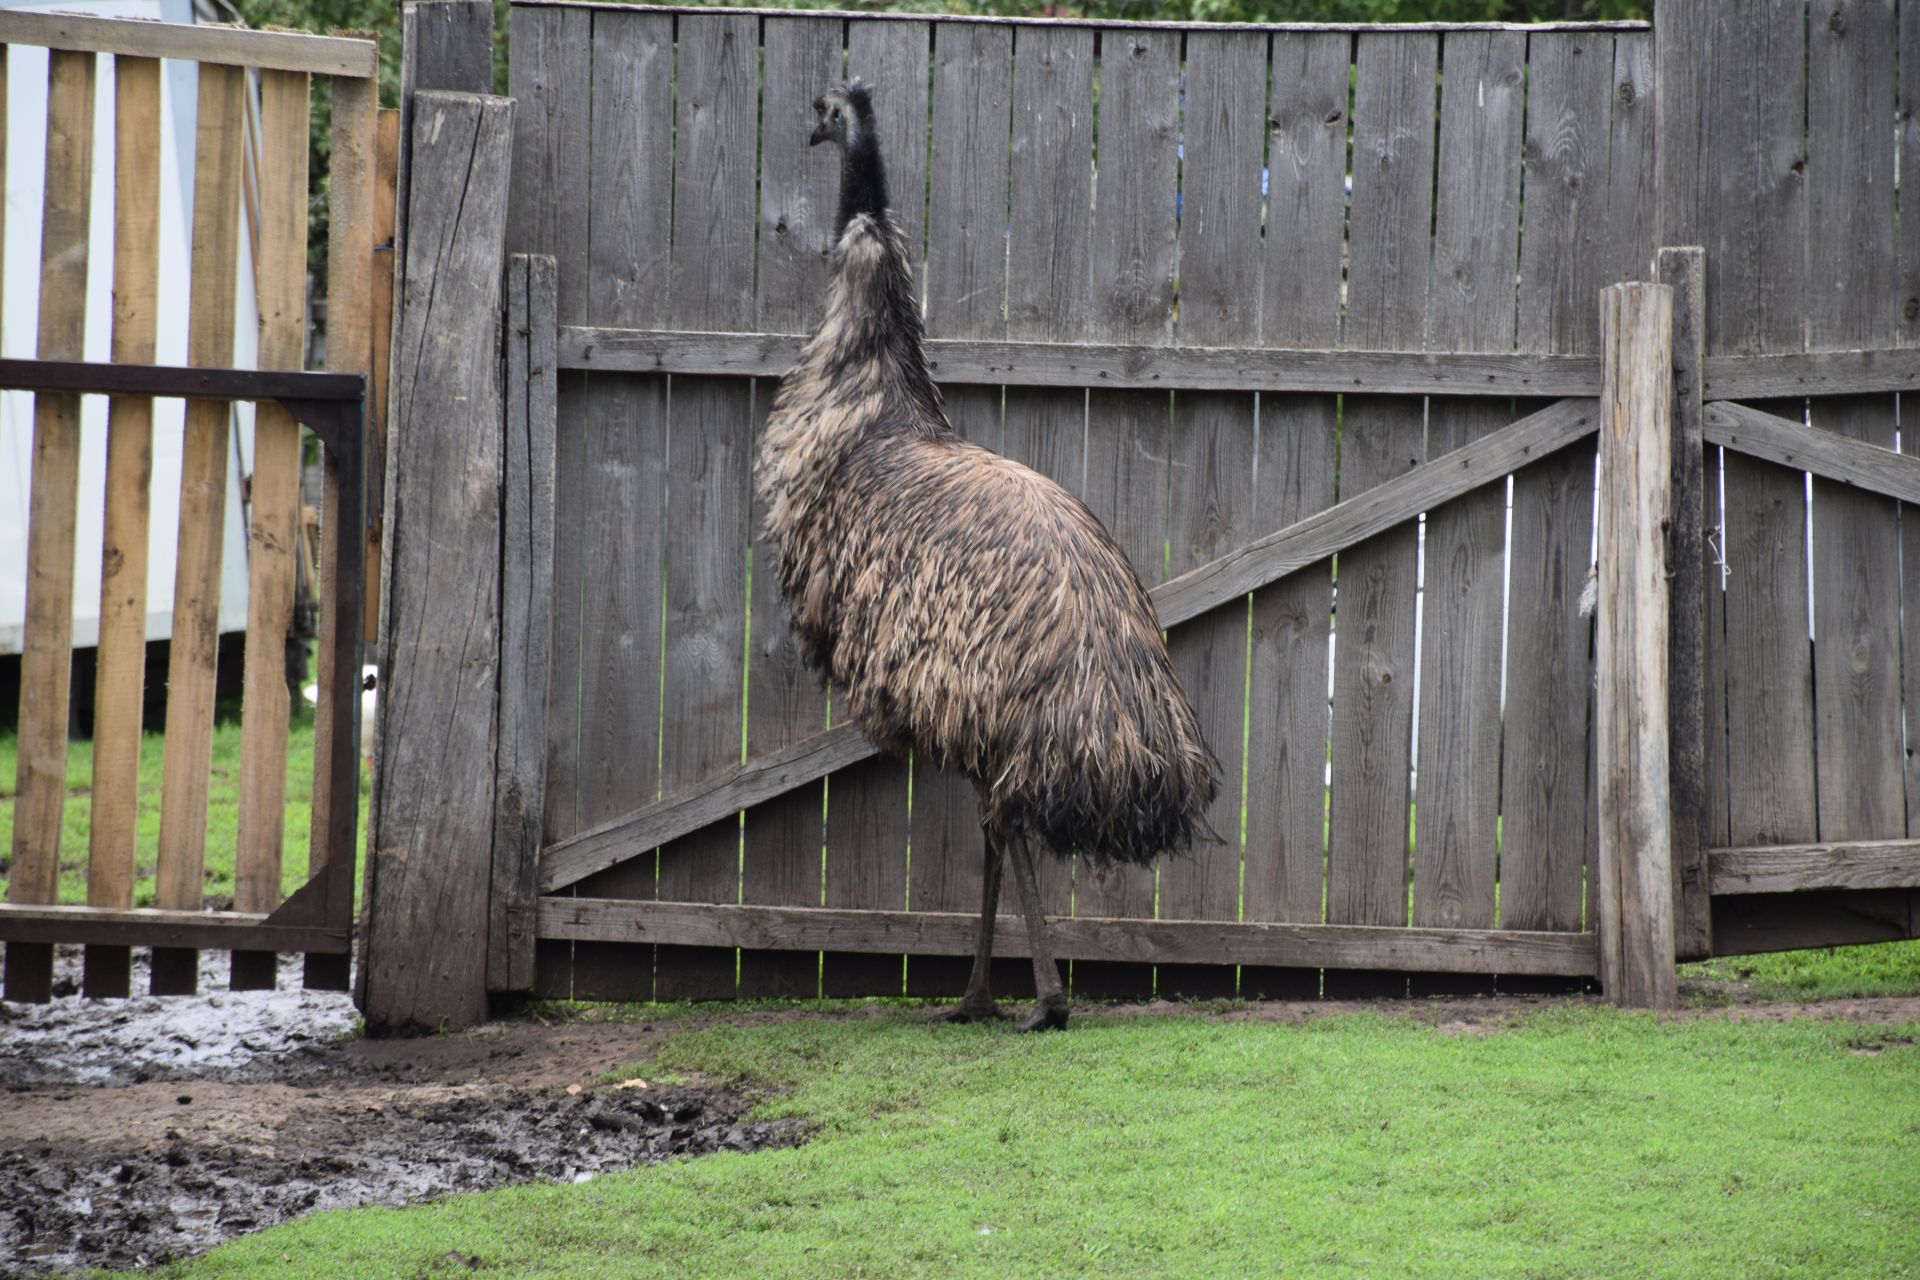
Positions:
{"x": 863, "y": 176}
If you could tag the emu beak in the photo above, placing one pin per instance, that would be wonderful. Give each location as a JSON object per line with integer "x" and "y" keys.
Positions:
{"x": 819, "y": 135}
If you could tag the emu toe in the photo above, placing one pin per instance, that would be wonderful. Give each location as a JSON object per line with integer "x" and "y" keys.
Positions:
{"x": 1050, "y": 1014}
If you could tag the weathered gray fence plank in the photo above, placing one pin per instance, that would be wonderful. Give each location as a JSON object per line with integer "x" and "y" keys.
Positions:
{"x": 1907, "y": 112}
{"x": 1684, "y": 271}
{"x": 430, "y": 837}
{"x": 1634, "y": 885}
{"x": 780, "y": 856}
{"x": 1393, "y": 153}
{"x": 867, "y": 803}
{"x": 616, "y": 443}
{"x": 1294, "y": 478}
{"x": 526, "y": 619}
{"x": 1212, "y": 453}
{"x": 1476, "y": 238}
{"x": 1830, "y": 456}
{"x": 1860, "y": 864}
{"x": 1050, "y": 190}
{"x": 1104, "y": 939}
{"x": 708, "y": 459}
{"x": 1133, "y": 267}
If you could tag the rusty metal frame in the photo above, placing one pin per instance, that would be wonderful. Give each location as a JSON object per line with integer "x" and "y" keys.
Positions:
{"x": 318, "y": 917}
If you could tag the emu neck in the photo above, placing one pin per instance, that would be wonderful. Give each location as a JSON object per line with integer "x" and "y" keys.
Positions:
{"x": 863, "y": 181}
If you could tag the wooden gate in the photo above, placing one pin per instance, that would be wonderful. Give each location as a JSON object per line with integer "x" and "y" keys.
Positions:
{"x": 1308, "y": 410}
{"x": 253, "y": 90}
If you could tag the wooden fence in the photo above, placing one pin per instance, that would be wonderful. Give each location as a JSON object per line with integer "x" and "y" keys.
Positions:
{"x": 236, "y": 72}
{"x": 1310, "y": 317}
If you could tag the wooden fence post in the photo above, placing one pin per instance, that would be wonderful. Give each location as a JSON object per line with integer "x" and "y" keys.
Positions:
{"x": 1684, "y": 270}
{"x": 526, "y": 608}
{"x": 1635, "y": 877}
{"x": 430, "y": 864}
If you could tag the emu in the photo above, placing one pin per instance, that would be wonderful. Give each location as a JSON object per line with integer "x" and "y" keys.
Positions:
{"x": 972, "y": 610}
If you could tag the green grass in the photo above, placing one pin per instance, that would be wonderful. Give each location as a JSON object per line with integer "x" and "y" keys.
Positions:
{"x": 223, "y": 810}
{"x": 1821, "y": 973}
{"x": 1578, "y": 1142}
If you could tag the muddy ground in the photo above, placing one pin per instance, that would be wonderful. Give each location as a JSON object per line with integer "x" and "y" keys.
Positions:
{"x": 136, "y": 1131}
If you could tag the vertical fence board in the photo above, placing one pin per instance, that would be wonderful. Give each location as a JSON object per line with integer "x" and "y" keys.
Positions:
{"x": 386, "y": 166}
{"x": 120, "y": 668}
{"x": 780, "y": 860}
{"x": 335, "y": 829}
{"x": 1856, "y": 536}
{"x": 203, "y": 491}
{"x": 1471, "y": 307}
{"x": 1211, "y": 455}
{"x": 867, "y": 820}
{"x": 1907, "y": 117}
{"x": 1048, "y": 298}
{"x": 1135, "y": 184}
{"x": 430, "y": 838}
{"x": 612, "y": 460}
{"x": 1393, "y": 152}
{"x": 46, "y": 660}
{"x": 1292, "y": 619}
{"x": 526, "y": 619}
{"x": 966, "y": 295}
{"x": 709, "y": 443}
{"x": 274, "y": 511}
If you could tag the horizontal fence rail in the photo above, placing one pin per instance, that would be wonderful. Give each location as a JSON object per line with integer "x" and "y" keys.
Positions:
{"x": 214, "y": 45}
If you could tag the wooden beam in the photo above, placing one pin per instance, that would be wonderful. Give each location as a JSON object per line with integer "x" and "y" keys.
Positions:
{"x": 1764, "y": 435}
{"x": 1265, "y": 560}
{"x": 151, "y": 927}
{"x": 1112, "y": 24}
{"x": 1684, "y": 270}
{"x": 1106, "y": 366}
{"x": 1426, "y": 486}
{"x": 760, "y": 779}
{"x": 429, "y": 847}
{"x": 226, "y": 46}
{"x": 1081, "y": 938}
{"x": 1635, "y": 881}
{"x": 1812, "y": 373}
{"x": 1791, "y": 868}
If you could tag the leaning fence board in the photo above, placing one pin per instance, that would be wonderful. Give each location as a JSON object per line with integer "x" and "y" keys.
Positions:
{"x": 1211, "y": 459}
{"x": 1134, "y": 257}
{"x": 1859, "y": 864}
{"x": 780, "y": 854}
{"x": 208, "y": 45}
{"x": 1393, "y": 150}
{"x": 120, "y": 666}
{"x": 1549, "y": 673}
{"x": 1827, "y": 454}
{"x": 1105, "y": 939}
{"x": 1291, "y": 624}
{"x": 612, "y": 521}
{"x": 274, "y": 511}
{"x": 1049, "y": 296}
{"x": 1476, "y": 236}
{"x": 709, "y": 447}
{"x": 429, "y": 840}
{"x": 53, "y": 497}
{"x": 1634, "y": 884}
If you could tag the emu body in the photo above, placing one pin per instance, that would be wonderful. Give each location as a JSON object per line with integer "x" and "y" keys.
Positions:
{"x": 972, "y": 609}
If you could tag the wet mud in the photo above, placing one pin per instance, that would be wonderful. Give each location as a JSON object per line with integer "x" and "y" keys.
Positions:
{"x": 138, "y": 1131}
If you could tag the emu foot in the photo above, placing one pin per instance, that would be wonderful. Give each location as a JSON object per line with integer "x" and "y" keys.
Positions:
{"x": 972, "y": 1009}
{"x": 1050, "y": 1014}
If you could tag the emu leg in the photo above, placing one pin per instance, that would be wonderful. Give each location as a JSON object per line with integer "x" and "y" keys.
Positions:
{"x": 977, "y": 1004}
{"x": 1050, "y": 1009}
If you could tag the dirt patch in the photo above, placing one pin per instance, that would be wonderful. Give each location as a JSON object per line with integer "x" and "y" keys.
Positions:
{"x": 136, "y": 1131}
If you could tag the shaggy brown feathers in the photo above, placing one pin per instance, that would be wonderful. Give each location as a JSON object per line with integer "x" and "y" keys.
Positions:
{"x": 970, "y": 607}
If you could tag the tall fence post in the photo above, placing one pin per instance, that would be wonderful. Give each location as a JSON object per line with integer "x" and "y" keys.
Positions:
{"x": 1684, "y": 270}
{"x": 1635, "y": 879}
{"x": 430, "y": 845}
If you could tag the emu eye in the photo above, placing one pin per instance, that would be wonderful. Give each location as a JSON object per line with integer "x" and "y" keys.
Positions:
{"x": 836, "y": 113}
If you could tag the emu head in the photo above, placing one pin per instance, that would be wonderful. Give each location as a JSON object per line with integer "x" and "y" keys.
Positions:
{"x": 844, "y": 114}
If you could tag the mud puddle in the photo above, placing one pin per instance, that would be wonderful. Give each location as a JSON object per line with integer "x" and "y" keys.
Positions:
{"x": 137, "y": 1131}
